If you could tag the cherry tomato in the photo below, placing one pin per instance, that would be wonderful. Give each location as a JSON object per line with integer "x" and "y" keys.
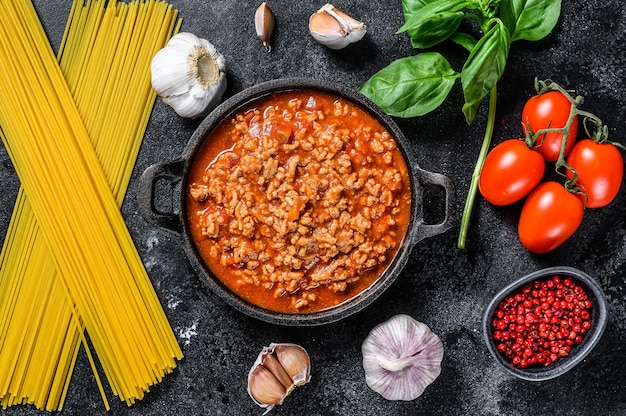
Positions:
{"x": 600, "y": 169}
{"x": 550, "y": 110}
{"x": 511, "y": 170}
{"x": 550, "y": 216}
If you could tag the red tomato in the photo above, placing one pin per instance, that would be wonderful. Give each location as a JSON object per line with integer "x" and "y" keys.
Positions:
{"x": 600, "y": 169}
{"x": 511, "y": 170}
{"x": 549, "y": 217}
{"x": 550, "y": 110}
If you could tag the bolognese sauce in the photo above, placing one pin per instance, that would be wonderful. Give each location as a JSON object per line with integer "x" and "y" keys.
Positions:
{"x": 299, "y": 201}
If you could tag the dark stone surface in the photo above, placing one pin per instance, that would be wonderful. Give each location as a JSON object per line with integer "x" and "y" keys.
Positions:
{"x": 443, "y": 286}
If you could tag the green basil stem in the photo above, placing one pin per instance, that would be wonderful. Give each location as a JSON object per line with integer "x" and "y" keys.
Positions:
{"x": 471, "y": 196}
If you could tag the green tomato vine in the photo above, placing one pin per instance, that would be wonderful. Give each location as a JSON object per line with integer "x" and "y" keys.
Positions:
{"x": 598, "y": 131}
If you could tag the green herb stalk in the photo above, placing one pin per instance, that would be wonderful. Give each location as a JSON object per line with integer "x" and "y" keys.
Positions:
{"x": 484, "y": 149}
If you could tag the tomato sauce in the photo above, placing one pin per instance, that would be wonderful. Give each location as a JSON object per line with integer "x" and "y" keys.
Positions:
{"x": 299, "y": 201}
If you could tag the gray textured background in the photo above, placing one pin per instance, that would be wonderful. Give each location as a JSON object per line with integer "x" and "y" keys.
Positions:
{"x": 442, "y": 286}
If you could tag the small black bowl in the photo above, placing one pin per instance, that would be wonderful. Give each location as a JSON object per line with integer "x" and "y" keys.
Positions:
{"x": 578, "y": 352}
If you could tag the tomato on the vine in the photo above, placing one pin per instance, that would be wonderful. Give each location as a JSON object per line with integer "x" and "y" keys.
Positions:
{"x": 550, "y": 110}
{"x": 510, "y": 171}
{"x": 600, "y": 168}
{"x": 550, "y": 215}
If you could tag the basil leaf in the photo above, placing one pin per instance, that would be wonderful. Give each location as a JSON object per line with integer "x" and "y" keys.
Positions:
{"x": 488, "y": 8}
{"x": 431, "y": 22}
{"x": 464, "y": 40}
{"x": 411, "y": 86}
{"x": 410, "y": 8}
{"x": 530, "y": 19}
{"x": 484, "y": 67}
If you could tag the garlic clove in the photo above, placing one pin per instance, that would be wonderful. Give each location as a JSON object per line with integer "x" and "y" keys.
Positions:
{"x": 277, "y": 370}
{"x": 265, "y": 388}
{"x": 326, "y": 30}
{"x": 271, "y": 362}
{"x": 335, "y": 29}
{"x": 264, "y": 24}
{"x": 296, "y": 362}
{"x": 189, "y": 74}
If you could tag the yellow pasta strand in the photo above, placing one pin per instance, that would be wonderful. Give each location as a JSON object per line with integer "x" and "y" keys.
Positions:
{"x": 101, "y": 273}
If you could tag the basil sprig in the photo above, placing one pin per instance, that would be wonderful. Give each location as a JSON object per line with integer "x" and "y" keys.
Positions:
{"x": 430, "y": 22}
{"x": 415, "y": 85}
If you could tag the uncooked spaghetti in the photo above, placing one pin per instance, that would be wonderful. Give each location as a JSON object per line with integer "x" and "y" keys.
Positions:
{"x": 68, "y": 262}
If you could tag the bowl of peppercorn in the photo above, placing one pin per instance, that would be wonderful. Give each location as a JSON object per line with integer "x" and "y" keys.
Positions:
{"x": 545, "y": 323}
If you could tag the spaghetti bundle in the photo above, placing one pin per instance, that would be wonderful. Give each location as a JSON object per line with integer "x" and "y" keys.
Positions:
{"x": 68, "y": 261}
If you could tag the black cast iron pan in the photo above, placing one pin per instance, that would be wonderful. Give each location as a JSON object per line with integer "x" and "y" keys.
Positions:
{"x": 176, "y": 172}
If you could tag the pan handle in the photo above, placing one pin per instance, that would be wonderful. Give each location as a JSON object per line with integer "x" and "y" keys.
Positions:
{"x": 426, "y": 178}
{"x": 171, "y": 171}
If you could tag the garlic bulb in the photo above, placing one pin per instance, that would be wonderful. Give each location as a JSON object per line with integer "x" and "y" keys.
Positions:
{"x": 277, "y": 370}
{"x": 189, "y": 74}
{"x": 333, "y": 28}
{"x": 264, "y": 24}
{"x": 401, "y": 357}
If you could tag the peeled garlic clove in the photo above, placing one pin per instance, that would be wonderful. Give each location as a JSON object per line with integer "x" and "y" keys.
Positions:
{"x": 189, "y": 74}
{"x": 333, "y": 28}
{"x": 264, "y": 24}
{"x": 277, "y": 370}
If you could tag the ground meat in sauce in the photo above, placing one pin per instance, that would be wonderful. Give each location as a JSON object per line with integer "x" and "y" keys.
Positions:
{"x": 307, "y": 196}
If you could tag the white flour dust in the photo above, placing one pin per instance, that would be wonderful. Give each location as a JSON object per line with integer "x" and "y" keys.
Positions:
{"x": 185, "y": 334}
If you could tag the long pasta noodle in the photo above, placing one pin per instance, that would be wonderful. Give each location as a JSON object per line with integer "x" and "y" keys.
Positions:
{"x": 68, "y": 261}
